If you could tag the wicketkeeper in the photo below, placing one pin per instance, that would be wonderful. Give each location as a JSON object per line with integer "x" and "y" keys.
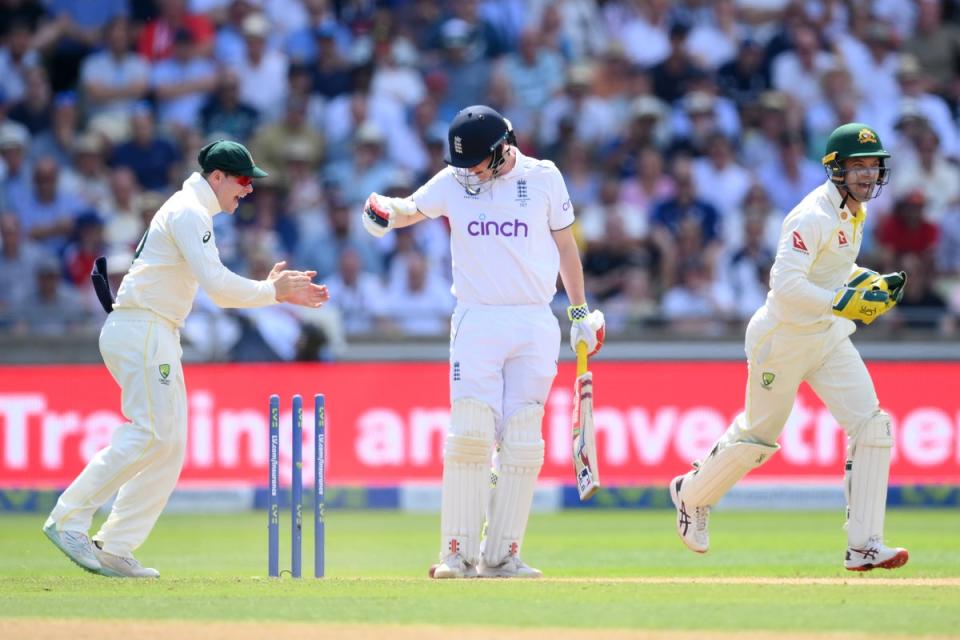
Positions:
{"x": 802, "y": 333}
{"x": 140, "y": 344}
{"x": 510, "y": 233}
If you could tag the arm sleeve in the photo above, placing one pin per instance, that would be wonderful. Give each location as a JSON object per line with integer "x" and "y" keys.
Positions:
{"x": 789, "y": 278}
{"x": 224, "y": 287}
{"x": 429, "y": 197}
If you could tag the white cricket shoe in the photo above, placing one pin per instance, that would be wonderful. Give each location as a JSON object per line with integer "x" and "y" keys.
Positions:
{"x": 75, "y": 545}
{"x": 512, "y": 567}
{"x": 453, "y": 566}
{"x": 114, "y": 566}
{"x": 875, "y": 555}
{"x": 692, "y": 530}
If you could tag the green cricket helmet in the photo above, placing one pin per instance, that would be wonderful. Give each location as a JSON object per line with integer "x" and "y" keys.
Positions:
{"x": 854, "y": 140}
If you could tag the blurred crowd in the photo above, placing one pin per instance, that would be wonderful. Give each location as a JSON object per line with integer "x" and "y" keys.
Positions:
{"x": 685, "y": 131}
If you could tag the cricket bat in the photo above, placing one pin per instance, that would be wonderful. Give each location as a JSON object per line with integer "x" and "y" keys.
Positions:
{"x": 584, "y": 439}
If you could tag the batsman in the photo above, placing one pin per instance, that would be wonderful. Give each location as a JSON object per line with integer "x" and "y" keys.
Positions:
{"x": 802, "y": 333}
{"x": 510, "y": 222}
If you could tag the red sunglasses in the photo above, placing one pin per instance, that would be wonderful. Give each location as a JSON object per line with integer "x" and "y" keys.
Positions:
{"x": 243, "y": 181}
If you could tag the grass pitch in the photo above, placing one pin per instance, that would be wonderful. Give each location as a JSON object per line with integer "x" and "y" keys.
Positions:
{"x": 773, "y": 573}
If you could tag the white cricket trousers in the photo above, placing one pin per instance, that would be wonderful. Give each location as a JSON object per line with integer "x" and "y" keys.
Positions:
{"x": 145, "y": 455}
{"x": 503, "y": 355}
{"x": 780, "y": 356}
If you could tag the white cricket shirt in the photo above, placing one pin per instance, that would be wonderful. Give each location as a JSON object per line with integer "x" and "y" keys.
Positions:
{"x": 500, "y": 240}
{"x": 178, "y": 253}
{"x": 816, "y": 254}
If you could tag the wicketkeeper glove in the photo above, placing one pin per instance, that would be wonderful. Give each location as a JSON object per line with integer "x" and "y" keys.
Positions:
{"x": 892, "y": 283}
{"x": 588, "y": 326}
{"x": 861, "y": 304}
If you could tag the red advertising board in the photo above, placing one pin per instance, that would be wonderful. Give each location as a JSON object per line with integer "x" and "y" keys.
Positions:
{"x": 385, "y": 422}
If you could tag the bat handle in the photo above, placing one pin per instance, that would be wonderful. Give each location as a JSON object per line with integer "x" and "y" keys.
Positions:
{"x": 581, "y": 358}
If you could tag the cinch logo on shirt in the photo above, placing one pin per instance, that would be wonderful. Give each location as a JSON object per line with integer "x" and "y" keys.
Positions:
{"x": 508, "y": 228}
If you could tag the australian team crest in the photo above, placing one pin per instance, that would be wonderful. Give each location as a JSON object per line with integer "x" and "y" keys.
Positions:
{"x": 865, "y": 136}
{"x": 164, "y": 374}
{"x": 766, "y": 379}
{"x": 522, "y": 197}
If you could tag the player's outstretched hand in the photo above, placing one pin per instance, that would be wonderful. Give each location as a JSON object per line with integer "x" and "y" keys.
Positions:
{"x": 296, "y": 287}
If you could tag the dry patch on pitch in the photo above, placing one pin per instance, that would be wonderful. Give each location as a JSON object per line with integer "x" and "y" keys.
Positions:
{"x": 34, "y": 629}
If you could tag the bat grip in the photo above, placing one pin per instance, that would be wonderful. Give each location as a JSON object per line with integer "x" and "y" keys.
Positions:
{"x": 581, "y": 358}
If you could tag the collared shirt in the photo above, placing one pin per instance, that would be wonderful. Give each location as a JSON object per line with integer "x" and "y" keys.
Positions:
{"x": 178, "y": 253}
{"x": 816, "y": 254}
{"x": 501, "y": 242}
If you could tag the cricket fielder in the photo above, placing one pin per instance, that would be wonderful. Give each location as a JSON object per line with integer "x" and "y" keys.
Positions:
{"x": 510, "y": 232}
{"x": 140, "y": 344}
{"x": 802, "y": 333}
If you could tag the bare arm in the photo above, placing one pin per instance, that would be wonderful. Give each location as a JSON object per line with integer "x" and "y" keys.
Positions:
{"x": 571, "y": 269}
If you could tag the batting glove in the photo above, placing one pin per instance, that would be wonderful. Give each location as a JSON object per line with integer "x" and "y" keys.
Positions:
{"x": 588, "y": 326}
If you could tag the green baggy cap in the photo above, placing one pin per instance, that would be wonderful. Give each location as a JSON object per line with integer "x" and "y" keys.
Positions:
{"x": 229, "y": 157}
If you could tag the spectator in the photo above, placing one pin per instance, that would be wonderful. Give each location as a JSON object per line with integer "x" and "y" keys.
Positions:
{"x": 19, "y": 258}
{"x": 153, "y": 158}
{"x": 87, "y": 175}
{"x": 906, "y": 231}
{"x": 748, "y": 270}
{"x": 271, "y": 141}
{"x": 79, "y": 254}
{"x": 697, "y": 305}
{"x": 921, "y": 307}
{"x": 720, "y": 180}
{"x": 123, "y": 210}
{"x": 936, "y": 46}
{"x": 670, "y": 215}
{"x": 671, "y": 76}
{"x": 33, "y": 111}
{"x": 930, "y": 172}
{"x": 634, "y": 305}
{"x": 422, "y": 303}
{"x": 714, "y": 43}
{"x": 790, "y": 175}
{"x": 797, "y": 71}
{"x": 73, "y": 33}
{"x": 17, "y": 57}
{"x": 366, "y": 170}
{"x": 331, "y": 72}
{"x": 15, "y": 171}
{"x": 113, "y": 79}
{"x": 180, "y": 83}
{"x": 225, "y": 114}
{"x": 157, "y": 39}
{"x": 592, "y": 119}
{"x": 229, "y": 48}
{"x": 301, "y": 43}
{"x": 262, "y": 71}
{"x": 594, "y": 217}
{"x": 59, "y": 138}
{"x": 47, "y": 212}
{"x": 358, "y": 294}
{"x": 744, "y": 78}
{"x": 534, "y": 73}
{"x": 52, "y": 308}
{"x": 324, "y": 249}
{"x": 913, "y": 86}
{"x": 465, "y": 70}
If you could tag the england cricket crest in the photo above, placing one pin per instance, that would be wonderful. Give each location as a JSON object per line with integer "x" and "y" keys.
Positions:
{"x": 584, "y": 438}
